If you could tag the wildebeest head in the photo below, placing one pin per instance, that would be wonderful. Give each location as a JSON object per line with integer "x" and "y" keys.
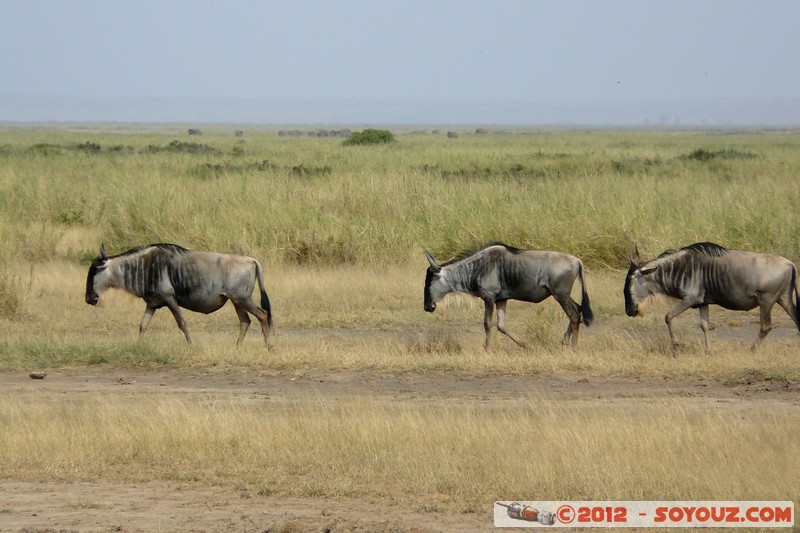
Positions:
{"x": 434, "y": 286}
{"x": 98, "y": 278}
{"x": 639, "y": 284}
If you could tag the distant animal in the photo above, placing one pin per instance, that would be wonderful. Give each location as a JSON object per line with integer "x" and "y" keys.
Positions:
{"x": 168, "y": 275}
{"x": 497, "y": 273}
{"x": 194, "y": 131}
{"x": 705, "y": 273}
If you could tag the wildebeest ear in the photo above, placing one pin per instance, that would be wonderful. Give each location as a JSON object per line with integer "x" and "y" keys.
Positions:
{"x": 103, "y": 255}
{"x": 434, "y": 265}
{"x": 648, "y": 270}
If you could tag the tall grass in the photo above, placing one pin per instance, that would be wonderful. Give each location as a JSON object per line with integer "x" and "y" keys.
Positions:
{"x": 15, "y": 288}
{"x": 313, "y": 201}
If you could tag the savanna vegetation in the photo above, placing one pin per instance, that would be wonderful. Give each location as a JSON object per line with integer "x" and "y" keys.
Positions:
{"x": 340, "y": 231}
{"x": 312, "y": 201}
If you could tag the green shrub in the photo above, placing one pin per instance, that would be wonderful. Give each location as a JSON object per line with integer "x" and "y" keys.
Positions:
{"x": 89, "y": 147}
{"x": 701, "y": 154}
{"x": 180, "y": 147}
{"x": 369, "y": 136}
{"x": 46, "y": 149}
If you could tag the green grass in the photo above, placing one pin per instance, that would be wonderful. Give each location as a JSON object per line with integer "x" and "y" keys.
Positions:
{"x": 309, "y": 200}
{"x": 43, "y": 352}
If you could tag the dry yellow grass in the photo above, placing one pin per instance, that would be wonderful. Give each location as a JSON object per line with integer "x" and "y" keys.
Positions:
{"x": 457, "y": 456}
{"x": 361, "y": 318}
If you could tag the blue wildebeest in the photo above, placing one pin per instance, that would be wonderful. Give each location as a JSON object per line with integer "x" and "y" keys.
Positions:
{"x": 705, "y": 273}
{"x": 167, "y": 275}
{"x": 498, "y": 273}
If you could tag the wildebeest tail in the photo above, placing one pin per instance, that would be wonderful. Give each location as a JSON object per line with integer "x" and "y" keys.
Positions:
{"x": 586, "y": 309}
{"x": 265, "y": 305}
{"x": 794, "y": 289}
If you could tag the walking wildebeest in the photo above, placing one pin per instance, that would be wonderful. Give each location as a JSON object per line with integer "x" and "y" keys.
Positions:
{"x": 172, "y": 276}
{"x": 498, "y": 273}
{"x": 706, "y": 273}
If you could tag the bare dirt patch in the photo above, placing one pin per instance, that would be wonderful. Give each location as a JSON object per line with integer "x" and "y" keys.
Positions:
{"x": 157, "y": 506}
{"x": 108, "y": 505}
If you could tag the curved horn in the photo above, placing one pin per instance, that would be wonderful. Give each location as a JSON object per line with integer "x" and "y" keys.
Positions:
{"x": 635, "y": 258}
{"x": 434, "y": 265}
{"x": 103, "y": 255}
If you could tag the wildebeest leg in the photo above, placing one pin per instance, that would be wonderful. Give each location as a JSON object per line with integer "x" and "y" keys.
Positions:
{"x": 501, "y": 322}
{"x": 704, "y": 324}
{"x": 487, "y": 321}
{"x": 176, "y": 312}
{"x": 681, "y": 307}
{"x": 260, "y": 315}
{"x": 148, "y": 314}
{"x": 244, "y": 322}
{"x": 572, "y": 310}
{"x": 766, "y": 323}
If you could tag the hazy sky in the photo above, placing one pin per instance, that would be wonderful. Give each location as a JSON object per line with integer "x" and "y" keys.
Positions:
{"x": 465, "y": 50}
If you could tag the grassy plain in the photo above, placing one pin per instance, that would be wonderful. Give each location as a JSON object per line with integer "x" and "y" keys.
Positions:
{"x": 340, "y": 231}
{"x": 312, "y": 201}
{"x": 458, "y": 457}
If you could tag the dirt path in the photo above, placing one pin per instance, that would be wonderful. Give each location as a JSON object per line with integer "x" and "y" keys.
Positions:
{"x": 245, "y": 384}
{"x": 158, "y": 506}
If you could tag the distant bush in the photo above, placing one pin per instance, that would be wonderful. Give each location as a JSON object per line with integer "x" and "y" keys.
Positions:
{"x": 304, "y": 171}
{"x": 89, "y": 147}
{"x": 369, "y": 136}
{"x": 46, "y": 149}
{"x": 179, "y": 147}
{"x": 212, "y": 170}
{"x": 701, "y": 154}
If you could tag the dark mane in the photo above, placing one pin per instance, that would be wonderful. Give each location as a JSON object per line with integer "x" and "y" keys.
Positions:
{"x": 169, "y": 247}
{"x": 472, "y": 251}
{"x": 706, "y": 248}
